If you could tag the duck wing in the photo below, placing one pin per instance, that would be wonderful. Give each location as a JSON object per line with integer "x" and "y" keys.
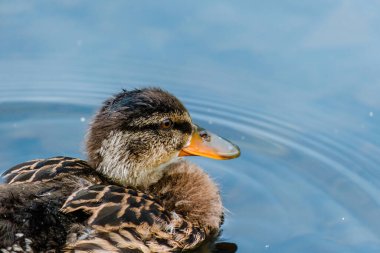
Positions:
{"x": 42, "y": 170}
{"x": 31, "y": 198}
{"x": 127, "y": 220}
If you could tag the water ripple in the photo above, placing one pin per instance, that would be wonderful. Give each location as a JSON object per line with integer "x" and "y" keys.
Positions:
{"x": 287, "y": 171}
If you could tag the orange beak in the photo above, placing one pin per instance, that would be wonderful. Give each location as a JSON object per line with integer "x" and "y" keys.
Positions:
{"x": 207, "y": 144}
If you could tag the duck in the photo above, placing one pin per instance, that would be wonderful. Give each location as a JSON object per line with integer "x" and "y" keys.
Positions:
{"x": 135, "y": 192}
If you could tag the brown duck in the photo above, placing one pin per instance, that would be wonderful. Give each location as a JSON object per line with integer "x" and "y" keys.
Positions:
{"x": 134, "y": 194}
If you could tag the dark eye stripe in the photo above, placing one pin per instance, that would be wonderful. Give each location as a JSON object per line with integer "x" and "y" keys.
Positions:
{"x": 184, "y": 127}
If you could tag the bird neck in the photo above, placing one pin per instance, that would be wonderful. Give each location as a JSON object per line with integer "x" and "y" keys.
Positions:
{"x": 130, "y": 175}
{"x": 129, "y": 171}
{"x": 188, "y": 191}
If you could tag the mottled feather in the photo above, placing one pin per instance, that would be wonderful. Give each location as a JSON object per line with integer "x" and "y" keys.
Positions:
{"x": 41, "y": 170}
{"x": 132, "y": 220}
{"x": 32, "y": 197}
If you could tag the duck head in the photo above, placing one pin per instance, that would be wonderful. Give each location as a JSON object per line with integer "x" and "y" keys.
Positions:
{"x": 136, "y": 134}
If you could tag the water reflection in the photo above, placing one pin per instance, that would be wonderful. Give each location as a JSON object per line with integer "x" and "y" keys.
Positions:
{"x": 295, "y": 85}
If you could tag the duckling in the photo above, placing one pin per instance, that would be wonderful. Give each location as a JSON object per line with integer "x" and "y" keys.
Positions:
{"x": 135, "y": 192}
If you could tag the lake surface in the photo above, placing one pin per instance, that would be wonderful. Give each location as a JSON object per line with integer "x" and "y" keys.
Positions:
{"x": 295, "y": 85}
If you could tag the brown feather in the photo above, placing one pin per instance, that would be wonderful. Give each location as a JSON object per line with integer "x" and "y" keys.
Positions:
{"x": 189, "y": 191}
{"x": 176, "y": 215}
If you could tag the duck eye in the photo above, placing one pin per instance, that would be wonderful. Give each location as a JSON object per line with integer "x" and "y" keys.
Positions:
{"x": 166, "y": 124}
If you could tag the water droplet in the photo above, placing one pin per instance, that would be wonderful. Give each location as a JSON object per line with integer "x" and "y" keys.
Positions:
{"x": 267, "y": 246}
{"x": 371, "y": 114}
{"x": 343, "y": 219}
{"x": 82, "y": 119}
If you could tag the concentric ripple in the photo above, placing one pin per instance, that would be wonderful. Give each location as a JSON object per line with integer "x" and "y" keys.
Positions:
{"x": 318, "y": 187}
{"x": 297, "y": 185}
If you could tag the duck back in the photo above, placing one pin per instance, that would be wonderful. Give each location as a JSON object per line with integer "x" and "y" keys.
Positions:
{"x": 31, "y": 198}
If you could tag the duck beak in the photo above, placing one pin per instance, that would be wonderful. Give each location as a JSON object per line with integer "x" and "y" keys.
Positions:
{"x": 207, "y": 144}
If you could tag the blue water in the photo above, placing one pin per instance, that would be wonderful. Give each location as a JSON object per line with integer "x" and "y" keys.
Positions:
{"x": 295, "y": 84}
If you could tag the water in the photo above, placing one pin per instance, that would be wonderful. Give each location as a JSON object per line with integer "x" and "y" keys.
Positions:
{"x": 295, "y": 85}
